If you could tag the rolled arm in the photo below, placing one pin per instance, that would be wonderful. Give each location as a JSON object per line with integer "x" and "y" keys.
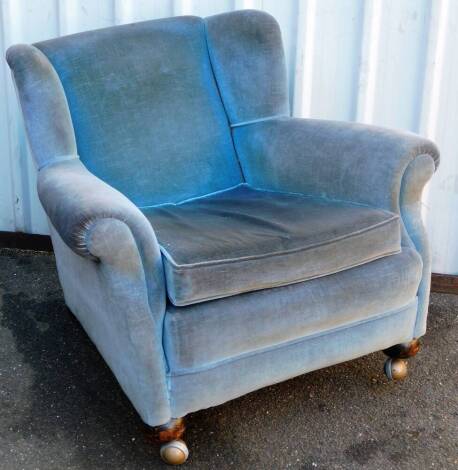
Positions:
{"x": 77, "y": 202}
{"x": 339, "y": 160}
{"x": 365, "y": 164}
{"x": 111, "y": 272}
{"x": 107, "y": 255}
{"x": 74, "y": 200}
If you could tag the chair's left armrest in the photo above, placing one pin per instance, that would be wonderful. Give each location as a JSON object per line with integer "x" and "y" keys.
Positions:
{"x": 365, "y": 164}
{"x": 339, "y": 160}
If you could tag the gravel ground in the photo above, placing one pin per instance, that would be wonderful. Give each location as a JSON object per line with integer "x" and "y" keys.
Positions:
{"x": 60, "y": 407}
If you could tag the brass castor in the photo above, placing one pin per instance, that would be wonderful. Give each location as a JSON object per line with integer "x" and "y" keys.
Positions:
{"x": 404, "y": 350}
{"x": 174, "y": 452}
{"x": 396, "y": 368}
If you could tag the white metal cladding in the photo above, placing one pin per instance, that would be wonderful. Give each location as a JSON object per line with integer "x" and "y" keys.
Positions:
{"x": 388, "y": 62}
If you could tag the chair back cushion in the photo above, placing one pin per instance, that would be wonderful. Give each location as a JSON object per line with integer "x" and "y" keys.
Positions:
{"x": 146, "y": 109}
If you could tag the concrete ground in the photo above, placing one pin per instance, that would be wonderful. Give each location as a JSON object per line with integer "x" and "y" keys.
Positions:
{"x": 60, "y": 407}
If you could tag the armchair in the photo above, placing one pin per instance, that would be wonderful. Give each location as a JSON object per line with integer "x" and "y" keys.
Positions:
{"x": 209, "y": 243}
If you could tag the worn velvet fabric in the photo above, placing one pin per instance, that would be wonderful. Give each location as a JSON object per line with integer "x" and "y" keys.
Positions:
{"x": 175, "y": 135}
{"x": 120, "y": 310}
{"x": 44, "y": 105}
{"x": 347, "y": 161}
{"x": 338, "y": 160}
{"x": 249, "y": 65}
{"x": 417, "y": 174}
{"x": 145, "y": 109}
{"x": 230, "y": 379}
{"x": 256, "y": 239}
{"x": 200, "y": 335}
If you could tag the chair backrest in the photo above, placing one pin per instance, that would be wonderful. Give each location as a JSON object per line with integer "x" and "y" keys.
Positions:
{"x": 152, "y": 103}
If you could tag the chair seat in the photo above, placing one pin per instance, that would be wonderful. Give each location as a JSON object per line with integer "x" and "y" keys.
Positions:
{"x": 245, "y": 239}
{"x": 204, "y": 335}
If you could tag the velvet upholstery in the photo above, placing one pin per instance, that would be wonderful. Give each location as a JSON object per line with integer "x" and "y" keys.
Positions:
{"x": 200, "y": 336}
{"x": 337, "y": 160}
{"x": 345, "y": 161}
{"x": 120, "y": 311}
{"x": 152, "y": 131}
{"x": 44, "y": 105}
{"x": 416, "y": 175}
{"x": 249, "y": 64}
{"x": 110, "y": 268}
{"x": 211, "y": 386}
{"x": 256, "y": 239}
{"x": 145, "y": 107}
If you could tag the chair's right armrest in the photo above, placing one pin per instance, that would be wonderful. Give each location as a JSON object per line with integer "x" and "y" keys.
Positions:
{"x": 347, "y": 161}
{"x": 75, "y": 200}
{"x": 114, "y": 283}
{"x": 107, "y": 255}
{"x": 78, "y": 204}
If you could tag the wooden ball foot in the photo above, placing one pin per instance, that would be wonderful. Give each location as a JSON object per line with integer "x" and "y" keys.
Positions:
{"x": 396, "y": 369}
{"x": 174, "y": 452}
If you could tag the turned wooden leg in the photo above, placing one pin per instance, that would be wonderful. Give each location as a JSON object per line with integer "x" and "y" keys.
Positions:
{"x": 404, "y": 350}
{"x": 174, "y": 450}
{"x": 396, "y": 365}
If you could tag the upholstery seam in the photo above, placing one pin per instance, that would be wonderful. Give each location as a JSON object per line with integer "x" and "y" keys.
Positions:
{"x": 286, "y": 344}
{"x": 55, "y": 160}
{"x": 210, "y": 60}
{"x": 263, "y": 119}
{"x": 267, "y": 190}
{"x": 317, "y": 196}
{"x": 195, "y": 198}
{"x": 188, "y": 266}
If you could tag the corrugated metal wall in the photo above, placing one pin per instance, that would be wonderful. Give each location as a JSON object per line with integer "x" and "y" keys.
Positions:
{"x": 388, "y": 62}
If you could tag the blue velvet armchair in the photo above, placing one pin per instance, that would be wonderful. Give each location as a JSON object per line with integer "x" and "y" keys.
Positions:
{"x": 209, "y": 243}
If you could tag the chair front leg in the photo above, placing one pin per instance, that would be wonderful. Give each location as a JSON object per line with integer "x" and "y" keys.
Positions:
{"x": 174, "y": 450}
{"x": 396, "y": 364}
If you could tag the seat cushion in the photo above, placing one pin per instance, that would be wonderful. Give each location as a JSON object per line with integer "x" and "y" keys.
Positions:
{"x": 245, "y": 239}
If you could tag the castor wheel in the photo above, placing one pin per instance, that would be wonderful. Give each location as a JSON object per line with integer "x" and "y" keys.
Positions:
{"x": 174, "y": 452}
{"x": 396, "y": 368}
